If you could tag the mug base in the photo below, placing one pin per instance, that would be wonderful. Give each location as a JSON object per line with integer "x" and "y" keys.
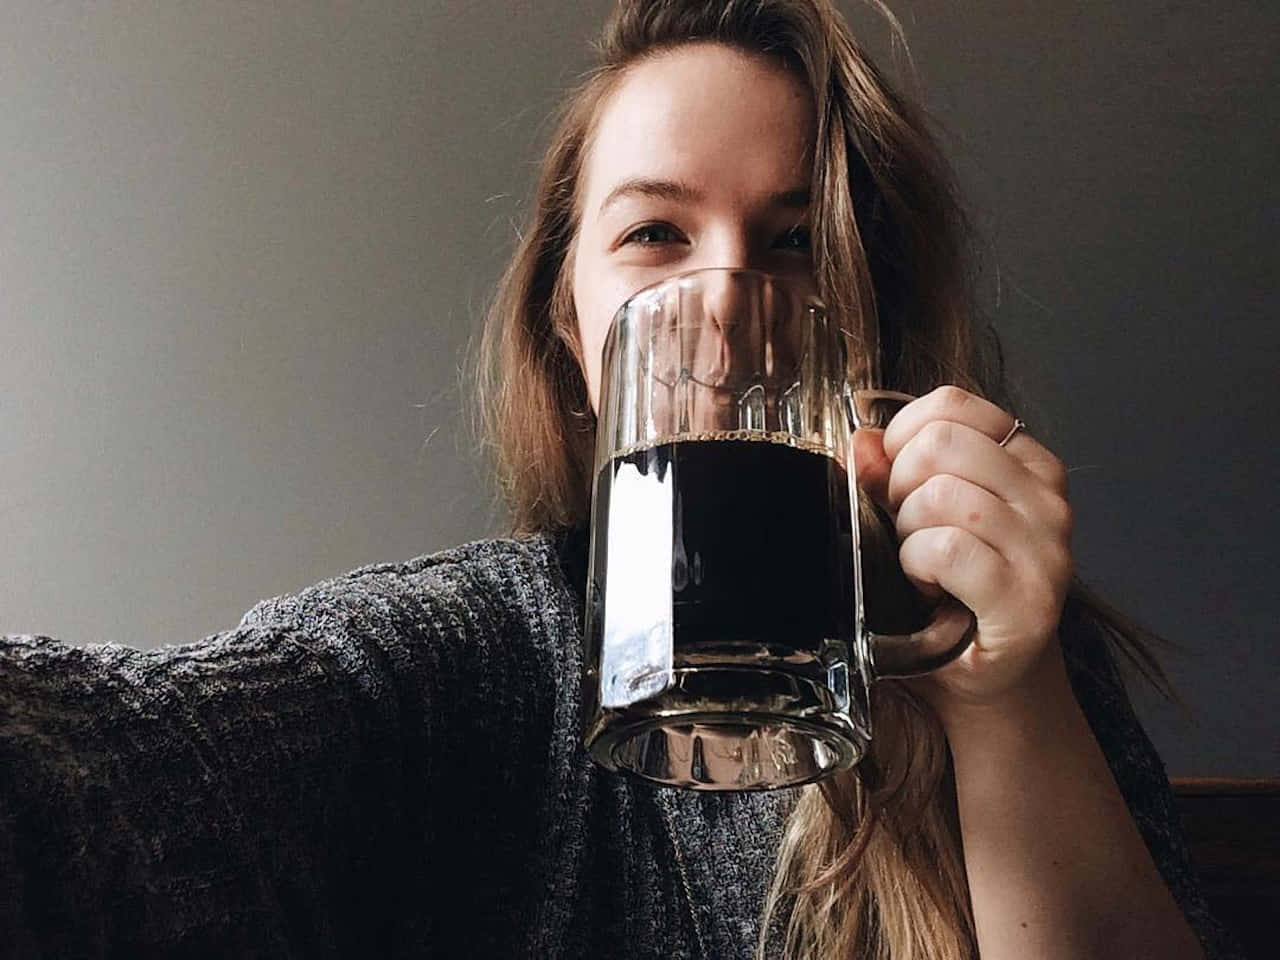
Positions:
{"x": 784, "y": 729}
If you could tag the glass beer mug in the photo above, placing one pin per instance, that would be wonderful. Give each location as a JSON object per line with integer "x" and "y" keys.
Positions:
{"x": 727, "y": 642}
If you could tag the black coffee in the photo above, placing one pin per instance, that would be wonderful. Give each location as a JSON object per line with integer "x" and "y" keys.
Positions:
{"x": 759, "y": 541}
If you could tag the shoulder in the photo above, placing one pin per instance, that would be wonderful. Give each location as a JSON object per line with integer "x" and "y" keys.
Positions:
{"x": 491, "y": 573}
{"x": 476, "y": 599}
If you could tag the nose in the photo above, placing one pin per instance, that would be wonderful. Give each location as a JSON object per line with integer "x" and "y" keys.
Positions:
{"x": 721, "y": 314}
{"x": 753, "y": 328}
{"x": 729, "y": 248}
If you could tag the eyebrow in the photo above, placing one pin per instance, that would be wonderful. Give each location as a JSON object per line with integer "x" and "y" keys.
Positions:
{"x": 674, "y": 190}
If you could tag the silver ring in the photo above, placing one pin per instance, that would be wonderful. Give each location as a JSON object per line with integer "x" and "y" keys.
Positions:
{"x": 1017, "y": 425}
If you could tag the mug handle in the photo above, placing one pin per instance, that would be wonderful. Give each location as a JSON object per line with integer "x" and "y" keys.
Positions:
{"x": 953, "y": 625}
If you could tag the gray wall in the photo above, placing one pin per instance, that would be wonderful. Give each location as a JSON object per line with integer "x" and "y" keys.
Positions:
{"x": 242, "y": 247}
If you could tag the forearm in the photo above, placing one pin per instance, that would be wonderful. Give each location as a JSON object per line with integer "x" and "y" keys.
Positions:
{"x": 1056, "y": 865}
{"x": 155, "y": 803}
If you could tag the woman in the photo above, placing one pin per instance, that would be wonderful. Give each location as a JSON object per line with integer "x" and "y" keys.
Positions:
{"x": 388, "y": 763}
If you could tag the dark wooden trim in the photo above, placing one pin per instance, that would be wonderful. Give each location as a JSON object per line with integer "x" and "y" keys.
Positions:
{"x": 1224, "y": 786}
{"x": 1232, "y": 825}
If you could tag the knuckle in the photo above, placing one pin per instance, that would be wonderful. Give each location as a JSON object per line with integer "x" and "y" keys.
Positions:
{"x": 941, "y": 493}
{"x": 935, "y": 438}
{"x": 951, "y": 398}
{"x": 1060, "y": 515}
{"x": 953, "y": 547}
{"x": 1058, "y": 475}
{"x": 1063, "y": 567}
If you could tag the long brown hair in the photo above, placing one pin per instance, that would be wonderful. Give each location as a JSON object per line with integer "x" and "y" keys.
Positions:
{"x": 870, "y": 864}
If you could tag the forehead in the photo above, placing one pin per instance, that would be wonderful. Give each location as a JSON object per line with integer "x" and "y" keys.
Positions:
{"x": 706, "y": 114}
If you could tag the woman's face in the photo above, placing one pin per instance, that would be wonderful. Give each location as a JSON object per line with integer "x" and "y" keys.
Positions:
{"x": 700, "y": 158}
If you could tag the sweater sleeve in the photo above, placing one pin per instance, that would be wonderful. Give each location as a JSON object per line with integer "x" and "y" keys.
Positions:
{"x": 1138, "y": 772}
{"x": 264, "y": 792}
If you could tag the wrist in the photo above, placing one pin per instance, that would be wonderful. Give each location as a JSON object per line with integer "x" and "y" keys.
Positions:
{"x": 1040, "y": 708}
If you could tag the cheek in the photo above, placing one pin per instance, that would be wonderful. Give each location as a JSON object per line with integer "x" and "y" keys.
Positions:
{"x": 590, "y": 336}
{"x": 596, "y": 298}
{"x": 591, "y": 347}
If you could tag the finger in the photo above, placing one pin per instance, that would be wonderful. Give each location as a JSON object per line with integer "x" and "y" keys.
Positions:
{"x": 945, "y": 500}
{"x": 871, "y": 464}
{"x": 960, "y": 563}
{"x": 960, "y": 406}
{"x": 943, "y": 446}
{"x": 947, "y": 403}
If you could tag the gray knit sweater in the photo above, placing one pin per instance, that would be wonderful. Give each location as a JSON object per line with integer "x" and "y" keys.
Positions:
{"x": 388, "y": 764}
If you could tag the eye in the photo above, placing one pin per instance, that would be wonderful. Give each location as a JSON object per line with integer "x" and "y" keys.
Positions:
{"x": 797, "y": 238}
{"x": 653, "y": 234}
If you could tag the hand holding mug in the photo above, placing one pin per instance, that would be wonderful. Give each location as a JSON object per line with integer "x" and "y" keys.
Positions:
{"x": 986, "y": 522}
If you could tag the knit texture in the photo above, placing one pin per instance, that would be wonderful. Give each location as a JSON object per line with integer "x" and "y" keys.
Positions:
{"x": 389, "y": 764}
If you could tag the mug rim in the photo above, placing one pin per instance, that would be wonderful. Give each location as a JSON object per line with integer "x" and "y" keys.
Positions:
{"x": 807, "y": 300}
